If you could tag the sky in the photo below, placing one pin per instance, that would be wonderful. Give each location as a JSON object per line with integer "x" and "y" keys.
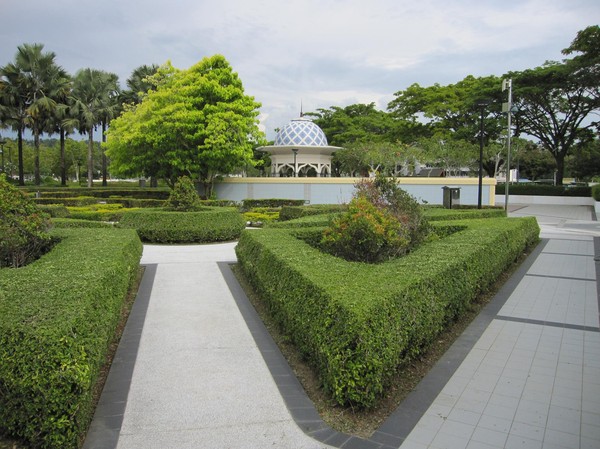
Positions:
{"x": 307, "y": 54}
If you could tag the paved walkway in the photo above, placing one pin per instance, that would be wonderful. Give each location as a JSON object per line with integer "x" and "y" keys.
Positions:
{"x": 196, "y": 369}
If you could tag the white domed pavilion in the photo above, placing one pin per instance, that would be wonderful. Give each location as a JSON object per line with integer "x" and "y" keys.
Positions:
{"x": 300, "y": 149}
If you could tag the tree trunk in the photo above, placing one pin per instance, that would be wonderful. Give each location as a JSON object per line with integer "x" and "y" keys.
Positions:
{"x": 63, "y": 166}
{"x": 36, "y": 157}
{"x": 90, "y": 158}
{"x": 20, "y": 147}
{"x": 104, "y": 164}
{"x": 560, "y": 168}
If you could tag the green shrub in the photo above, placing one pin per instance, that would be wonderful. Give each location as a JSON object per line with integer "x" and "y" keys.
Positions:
{"x": 72, "y": 201}
{"x": 57, "y": 319}
{"x": 248, "y": 204}
{"x": 99, "y": 192}
{"x": 54, "y": 210}
{"x": 321, "y": 220}
{"x": 98, "y": 212}
{"x": 596, "y": 192}
{"x": 261, "y": 214}
{"x": 356, "y": 323}
{"x": 22, "y": 227}
{"x": 365, "y": 234}
{"x": 532, "y": 188}
{"x": 293, "y": 212}
{"x": 77, "y": 223}
{"x": 212, "y": 224}
{"x": 385, "y": 194}
{"x": 439, "y": 213}
{"x": 184, "y": 196}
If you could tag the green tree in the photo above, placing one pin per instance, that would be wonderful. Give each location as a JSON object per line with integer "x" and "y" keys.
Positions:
{"x": 585, "y": 161}
{"x": 198, "y": 122}
{"x": 450, "y": 112}
{"x": 533, "y": 162}
{"x": 41, "y": 83}
{"x": 94, "y": 103}
{"x": 139, "y": 83}
{"x": 555, "y": 101}
{"x": 13, "y": 108}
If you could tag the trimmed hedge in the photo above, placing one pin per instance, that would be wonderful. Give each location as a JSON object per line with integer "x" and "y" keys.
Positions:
{"x": 293, "y": 212}
{"x": 532, "y": 188}
{"x": 248, "y": 204}
{"x": 58, "y": 316}
{"x": 88, "y": 200}
{"x": 54, "y": 210}
{"x": 100, "y": 192}
{"x": 356, "y": 323}
{"x": 438, "y": 213}
{"x": 77, "y": 223}
{"x": 596, "y": 192}
{"x": 213, "y": 224}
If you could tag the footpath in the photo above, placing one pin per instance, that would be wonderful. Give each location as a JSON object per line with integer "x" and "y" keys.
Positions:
{"x": 196, "y": 369}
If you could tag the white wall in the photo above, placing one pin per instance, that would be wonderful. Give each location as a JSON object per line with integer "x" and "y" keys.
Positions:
{"x": 340, "y": 190}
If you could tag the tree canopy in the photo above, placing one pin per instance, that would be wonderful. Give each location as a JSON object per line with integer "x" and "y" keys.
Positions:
{"x": 198, "y": 122}
{"x": 555, "y": 102}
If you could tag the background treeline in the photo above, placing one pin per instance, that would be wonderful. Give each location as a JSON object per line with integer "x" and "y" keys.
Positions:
{"x": 554, "y": 132}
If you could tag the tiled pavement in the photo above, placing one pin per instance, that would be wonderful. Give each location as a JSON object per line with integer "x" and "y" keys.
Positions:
{"x": 526, "y": 374}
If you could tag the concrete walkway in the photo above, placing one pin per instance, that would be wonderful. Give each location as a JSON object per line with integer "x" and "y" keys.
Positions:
{"x": 196, "y": 369}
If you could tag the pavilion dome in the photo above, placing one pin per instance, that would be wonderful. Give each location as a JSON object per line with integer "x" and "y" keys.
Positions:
{"x": 301, "y": 132}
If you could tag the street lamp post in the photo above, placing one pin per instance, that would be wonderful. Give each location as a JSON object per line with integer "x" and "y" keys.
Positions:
{"x": 295, "y": 151}
{"x": 481, "y": 104}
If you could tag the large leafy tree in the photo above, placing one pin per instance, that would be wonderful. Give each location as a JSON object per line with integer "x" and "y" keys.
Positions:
{"x": 197, "y": 122}
{"x": 354, "y": 123}
{"x": 94, "y": 103}
{"x": 452, "y": 114}
{"x": 556, "y": 101}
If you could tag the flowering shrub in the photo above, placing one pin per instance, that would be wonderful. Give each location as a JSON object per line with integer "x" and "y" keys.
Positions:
{"x": 365, "y": 234}
{"x": 385, "y": 194}
{"x": 382, "y": 222}
{"x": 22, "y": 227}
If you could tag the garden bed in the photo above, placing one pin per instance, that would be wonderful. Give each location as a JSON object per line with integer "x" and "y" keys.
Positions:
{"x": 356, "y": 323}
{"x": 58, "y": 316}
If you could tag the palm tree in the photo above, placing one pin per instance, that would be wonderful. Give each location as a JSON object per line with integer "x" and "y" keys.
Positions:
{"x": 40, "y": 82}
{"x": 63, "y": 125}
{"x": 13, "y": 107}
{"x": 138, "y": 84}
{"x": 94, "y": 94}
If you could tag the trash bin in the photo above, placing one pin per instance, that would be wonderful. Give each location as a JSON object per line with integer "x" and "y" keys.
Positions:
{"x": 451, "y": 196}
{"x": 142, "y": 182}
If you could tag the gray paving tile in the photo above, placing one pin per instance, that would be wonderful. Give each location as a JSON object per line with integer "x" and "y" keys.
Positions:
{"x": 562, "y": 439}
{"x": 491, "y": 437}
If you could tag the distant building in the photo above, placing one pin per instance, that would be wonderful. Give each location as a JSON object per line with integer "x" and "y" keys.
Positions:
{"x": 300, "y": 149}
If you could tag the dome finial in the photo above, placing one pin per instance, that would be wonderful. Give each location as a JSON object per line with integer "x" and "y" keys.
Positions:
{"x": 301, "y": 113}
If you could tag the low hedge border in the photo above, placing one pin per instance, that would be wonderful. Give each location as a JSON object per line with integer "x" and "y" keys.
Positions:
{"x": 82, "y": 201}
{"x": 293, "y": 212}
{"x": 58, "y": 316}
{"x": 211, "y": 224}
{"x": 532, "y": 188}
{"x": 99, "y": 192}
{"x": 596, "y": 192}
{"x": 315, "y": 216}
{"x": 356, "y": 323}
{"x": 78, "y": 223}
{"x": 248, "y": 204}
{"x": 438, "y": 213}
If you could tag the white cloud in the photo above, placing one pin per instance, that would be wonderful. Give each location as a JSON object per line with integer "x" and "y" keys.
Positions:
{"x": 320, "y": 52}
